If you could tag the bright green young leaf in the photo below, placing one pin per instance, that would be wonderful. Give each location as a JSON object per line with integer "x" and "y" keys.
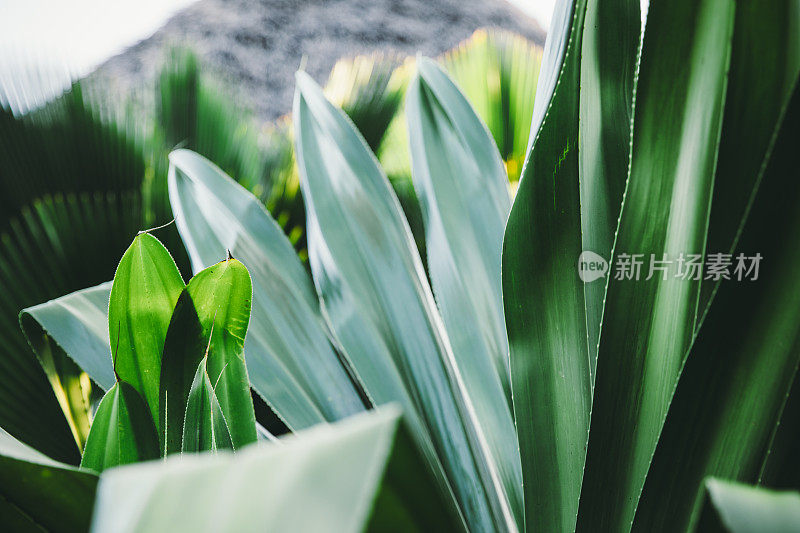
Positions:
{"x": 741, "y": 366}
{"x": 205, "y": 427}
{"x": 463, "y": 192}
{"x": 37, "y": 493}
{"x": 362, "y": 473}
{"x": 735, "y": 508}
{"x": 291, "y": 362}
{"x": 648, "y": 324}
{"x": 609, "y": 57}
{"x": 373, "y": 285}
{"x": 78, "y": 323}
{"x": 543, "y": 296}
{"x": 122, "y": 431}
{"x": 184, "y": 348}
{"x": 222, "y": 294}
{"x": 146, "y": 287}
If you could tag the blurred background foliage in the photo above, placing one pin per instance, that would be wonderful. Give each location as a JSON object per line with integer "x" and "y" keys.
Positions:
{"x": 81, "y": 175}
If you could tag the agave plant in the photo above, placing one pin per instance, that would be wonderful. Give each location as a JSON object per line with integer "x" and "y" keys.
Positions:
{"x": 531, "y": 398}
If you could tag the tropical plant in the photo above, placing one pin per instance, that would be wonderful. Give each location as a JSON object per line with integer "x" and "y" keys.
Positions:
{"x": 81, "y": 174}
{"x": 530, "y": 399}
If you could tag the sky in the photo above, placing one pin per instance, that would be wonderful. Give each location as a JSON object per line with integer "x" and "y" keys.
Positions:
{"x": 66, "y": 39}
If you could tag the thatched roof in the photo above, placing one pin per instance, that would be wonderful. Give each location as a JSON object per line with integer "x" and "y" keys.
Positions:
{"x": 256, "y": 45}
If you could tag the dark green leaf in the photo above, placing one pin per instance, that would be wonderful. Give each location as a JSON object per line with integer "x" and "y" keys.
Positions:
{"x": 740, "y": 368}
{"x": 765, "y": 61}
{"x": 648, "y": 324}
{"x": 609, "y": 57}
{"x": 37, "y": 493}
{"x": 184, "y": 348}
{"x": 543, "y": 296}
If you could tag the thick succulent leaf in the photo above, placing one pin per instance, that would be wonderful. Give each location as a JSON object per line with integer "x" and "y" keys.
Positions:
{"x": 344, "y": 477}
{"x": 498, "y": 72}
{"x": 736, "y": 508}
{"x": 122, "y": 430}
{"x": 648, "y": 323}
{"x": 184, "y": 348}
{"x": 205, "y": 427}
{"x": 78, "y": 323}
{"x": 374, "y": 288}
{"x": 609, "y": 57}
{"x": 463, "y": 192}
{"x": 543, "y": 296}
{"x": 740, "y": 368}
{"x": 222, "y": 294}
{"x": 213, "y": 214}
{"x": 37, "y": 493}
{"x": 146, "y": 288}
{"x": 765, "y": 62}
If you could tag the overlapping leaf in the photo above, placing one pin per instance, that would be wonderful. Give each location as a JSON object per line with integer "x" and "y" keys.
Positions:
{"x": 372, "y": 283}
{"x": 463, "y": 191}
{"x": 649, "y": 317}
{"x": 608, "y": 59}
{"x": 323, "y": 479}
{"x": 741, "y": 366}
{"x": 205, "y": 426}
{"x": 78, "y": 324}
{"x": 291, "y": 361}
{"x": 542, "y": 294}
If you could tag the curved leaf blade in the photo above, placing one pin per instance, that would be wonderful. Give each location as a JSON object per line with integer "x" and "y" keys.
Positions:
{"x": 78, "y": 323}
{"x": 122, "y": 431}
{"x": 146, "y": 288}
{"x": 609, "y": 59}
{"x": 374, "y": 289}
{"x": 205, "y": 427}
{"x": 222, "y": 294}
{"x": 648, "y": 324}
{"x": 733, "y": 388}
{"x": 542, "y": 294}
{"x": 463, "y": 192}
